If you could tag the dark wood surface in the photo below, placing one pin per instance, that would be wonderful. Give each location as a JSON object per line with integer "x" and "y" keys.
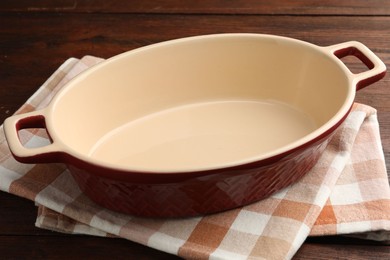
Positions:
{"x": 38, "y": 36}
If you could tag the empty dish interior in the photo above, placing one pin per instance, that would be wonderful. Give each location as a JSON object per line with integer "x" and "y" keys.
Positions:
{"x": 203, "y": 135}
{"x": 199, "y": 104}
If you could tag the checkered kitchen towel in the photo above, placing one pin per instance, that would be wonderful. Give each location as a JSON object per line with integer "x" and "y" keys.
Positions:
{"x": 346, "y": 192}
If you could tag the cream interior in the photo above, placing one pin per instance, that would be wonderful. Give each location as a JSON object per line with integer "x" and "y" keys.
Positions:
{"x": 199, "y": 103}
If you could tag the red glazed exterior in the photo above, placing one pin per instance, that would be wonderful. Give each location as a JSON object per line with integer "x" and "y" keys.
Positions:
{"x": 214, "y": 192}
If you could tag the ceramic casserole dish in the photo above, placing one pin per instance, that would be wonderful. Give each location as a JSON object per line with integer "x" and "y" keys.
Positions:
{"x": 200, "y": 124}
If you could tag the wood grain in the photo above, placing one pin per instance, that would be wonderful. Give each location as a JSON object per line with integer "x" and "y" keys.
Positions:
{"x": 38, "y": 36}
{"x": 264, "y": 7}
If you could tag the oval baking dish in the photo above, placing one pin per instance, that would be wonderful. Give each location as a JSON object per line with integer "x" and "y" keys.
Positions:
{"x": 200, "y": 124}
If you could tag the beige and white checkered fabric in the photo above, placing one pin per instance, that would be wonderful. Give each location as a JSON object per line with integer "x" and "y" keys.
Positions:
{"x": 347, "y": 192}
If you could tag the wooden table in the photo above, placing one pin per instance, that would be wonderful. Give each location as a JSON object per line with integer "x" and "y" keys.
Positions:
{"x": 37, "y": 36}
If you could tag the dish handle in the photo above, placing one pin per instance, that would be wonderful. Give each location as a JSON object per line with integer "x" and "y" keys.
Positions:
{"x": 35, "y": 119}
{"x": 376, "y": 68}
